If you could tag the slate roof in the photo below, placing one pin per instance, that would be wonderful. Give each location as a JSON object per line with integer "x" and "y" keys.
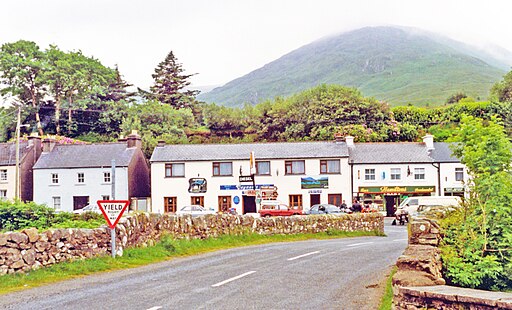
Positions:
{"x": 285, "y": 150}
{"x": 86, "y": 156}
{"x": 400, "y": 152}
{"x": 8, "y": 152}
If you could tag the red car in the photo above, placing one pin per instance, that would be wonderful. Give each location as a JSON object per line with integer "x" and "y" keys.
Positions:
{"x": 277, "y": 210}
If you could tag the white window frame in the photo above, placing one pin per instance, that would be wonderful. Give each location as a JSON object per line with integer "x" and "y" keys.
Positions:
{"x": 80, "y": 177}
{"x": 258, "y": 169}
{"x": 419, "y": 173}
{"x": 459, "y": 174}
{"x": 57, "y": 201}
{"x": 3, "y": 194}
{"x": 395, "y": 174}
{"x": 369, "y": 174}
{"x": 3, "y": 175}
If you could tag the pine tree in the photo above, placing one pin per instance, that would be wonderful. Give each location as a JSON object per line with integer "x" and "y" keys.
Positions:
{"x": 170, "y": 84}
{"x": 117, "y": 89}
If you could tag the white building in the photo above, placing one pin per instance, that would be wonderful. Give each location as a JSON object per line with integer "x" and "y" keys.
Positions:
{"x": 219, "y": 176}
{"x": 69, "y": 177}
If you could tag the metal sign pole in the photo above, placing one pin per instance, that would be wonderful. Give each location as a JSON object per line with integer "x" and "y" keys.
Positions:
{"x": 113, "y": 194}
{"x": 113, "y": 241}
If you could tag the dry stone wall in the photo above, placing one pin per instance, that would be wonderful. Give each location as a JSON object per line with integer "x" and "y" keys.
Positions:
{"x": 29, "y": 249}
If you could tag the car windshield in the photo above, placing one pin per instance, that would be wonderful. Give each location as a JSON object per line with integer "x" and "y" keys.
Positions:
{"x": 332, "y": 209}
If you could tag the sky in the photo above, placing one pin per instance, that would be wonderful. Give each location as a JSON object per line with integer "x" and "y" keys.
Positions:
{"x": 220, "y": 40}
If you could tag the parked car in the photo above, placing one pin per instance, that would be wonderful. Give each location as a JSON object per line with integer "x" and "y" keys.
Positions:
{"x": 195, "y": 210}
{"x": 277, "y": 209}
{"x": 88, "y": 208}
{"x": 324, "y": 208}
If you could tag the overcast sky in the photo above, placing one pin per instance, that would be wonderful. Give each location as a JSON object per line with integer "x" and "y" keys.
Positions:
{"x": 225, "y": 39}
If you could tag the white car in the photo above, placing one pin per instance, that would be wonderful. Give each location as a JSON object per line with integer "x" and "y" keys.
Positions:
{"x": 195, "y": 210}
{"x": 88, "y": 208}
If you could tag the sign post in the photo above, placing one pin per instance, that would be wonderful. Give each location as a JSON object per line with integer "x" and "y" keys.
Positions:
{"x": 112, "y": 211}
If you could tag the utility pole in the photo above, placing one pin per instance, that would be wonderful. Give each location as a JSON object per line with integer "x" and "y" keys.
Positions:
{"x": 17, "y": 173}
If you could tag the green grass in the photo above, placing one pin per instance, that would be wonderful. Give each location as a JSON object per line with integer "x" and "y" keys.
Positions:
{"x": 387, "y": 299}
{"x": 166, "y": 249}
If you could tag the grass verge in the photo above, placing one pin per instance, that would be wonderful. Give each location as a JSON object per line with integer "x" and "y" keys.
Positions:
{"x": 166, "y": 249}
{"x": 387, "y": 299}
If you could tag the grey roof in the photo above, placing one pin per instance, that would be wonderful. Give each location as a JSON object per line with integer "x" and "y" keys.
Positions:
{"x": 8, "y": 152}
{"x": 86, "y": 156}
{"x": 285, "y": 150}
{"x": 400, "y": 152}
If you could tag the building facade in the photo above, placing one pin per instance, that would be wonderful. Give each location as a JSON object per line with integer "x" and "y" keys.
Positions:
{"x": 225, "y": 176}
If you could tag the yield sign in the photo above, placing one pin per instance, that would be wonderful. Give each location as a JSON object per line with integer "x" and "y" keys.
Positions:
{"x": 113, "y": 210}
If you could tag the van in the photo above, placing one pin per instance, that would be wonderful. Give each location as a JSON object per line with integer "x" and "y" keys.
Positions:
{"x": 415, "y": 201}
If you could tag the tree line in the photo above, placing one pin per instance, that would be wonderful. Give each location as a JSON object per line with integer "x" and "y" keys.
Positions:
{"x": 69, "y": 93}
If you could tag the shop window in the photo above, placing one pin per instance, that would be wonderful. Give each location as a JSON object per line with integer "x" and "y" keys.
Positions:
{"x": 170, "y": 204}
{"x": 296, "y": 202}
{"x": 224, "y": 203}
{"x": 222, "y": 169}
{"x": 197, "y": 200}
{"x": 396, "y": 174}
{"x": 330, "y": 166}
{"x": 369, "y": 174}
{"x": 459, "y": 174}
{"x": 295, "y": 167}
{"x": 419, "y": 173}
{"x": 174, "y": 170}
{"x": 263, "y": 167}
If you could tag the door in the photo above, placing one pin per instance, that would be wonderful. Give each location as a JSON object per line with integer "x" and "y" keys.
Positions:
{"x": 334, "y": 199}
{"x": 314, "y": 199}
{"x": 197, "y": 200}
{"x": 391, "y": 203}
{"x": 80, "y": 201}
{"x": 249, "y": 204}
{"x": 224, "y": 203}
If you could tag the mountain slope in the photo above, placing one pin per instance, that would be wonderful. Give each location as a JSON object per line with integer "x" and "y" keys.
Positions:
{"x": 392, "y": 64}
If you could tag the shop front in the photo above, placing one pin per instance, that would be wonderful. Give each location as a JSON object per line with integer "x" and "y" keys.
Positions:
{"x": 387, "y": 198}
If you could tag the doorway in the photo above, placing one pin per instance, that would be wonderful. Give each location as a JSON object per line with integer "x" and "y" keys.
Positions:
{"x": 80, "y": 201}
{"x": 224, "y": 203}
{"x": 391, "y": 204}
{"x": 314, "y": 199}
{"x": 334, "y": 199}
{"x": 197, "y": 200}
{"x": 249, "y": 204}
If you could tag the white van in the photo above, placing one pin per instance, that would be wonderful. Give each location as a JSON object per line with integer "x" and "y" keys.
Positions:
{"x": 416, "y": 201}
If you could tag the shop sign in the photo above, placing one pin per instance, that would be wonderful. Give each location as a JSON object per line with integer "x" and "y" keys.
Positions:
{"x": 454, "y": 189}
{"x": 243, "y": 187}
{"x": 397, "y": 189}
{"x": 197, "y": 185}
{"x": 315, "y": 191}
{"x": 314, "y": 182}
{"x": 249, "y": 192}
{"x": 246, "y": 178}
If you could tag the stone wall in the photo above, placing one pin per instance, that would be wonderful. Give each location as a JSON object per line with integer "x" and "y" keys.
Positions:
{"x": 418, "y": 282}
{"x": 28, "y": 249}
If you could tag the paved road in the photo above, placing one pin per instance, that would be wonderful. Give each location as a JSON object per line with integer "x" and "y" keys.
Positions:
{"x": 316, "y": 274}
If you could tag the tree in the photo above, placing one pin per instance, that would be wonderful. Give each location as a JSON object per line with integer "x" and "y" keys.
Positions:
{"x": 502, "y": 91}
{"x": 117, "y": 90}
{"x": 456, "y": 98}
{"x": 21, "y": 65}
{"x": 170, "y": 83}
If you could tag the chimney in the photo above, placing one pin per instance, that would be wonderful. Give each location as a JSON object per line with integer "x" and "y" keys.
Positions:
{"x": 121, "y": 138}
{"x": 48, "y": 145}
{"x": 35, "y": 140}
{"x": 350, "y": 141}
{"x": 429, "y": 141}
{"x": 161, "y": 143}
{"x": 338, "y": 138}
{"x": 134, "y": 140}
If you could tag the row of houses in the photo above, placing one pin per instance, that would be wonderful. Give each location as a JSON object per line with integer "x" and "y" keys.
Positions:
{"x": 224, "y": 176}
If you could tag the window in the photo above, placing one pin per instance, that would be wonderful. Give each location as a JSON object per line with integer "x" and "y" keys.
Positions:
{"x": 329, "y": 166}
{"x": 222, "y": 169}
{"x": 174, "y": 170}
{"x": 56, "y": 203}
{"x": 369, "y": 174}
{"x": 419, "y": 173}
{"x": 263, "y": 168}
{"x": 106, "y": 178}
{"x": 334, "y": 199}
{"x": 55, "y": 178}
{"x": 224, "y": 203}
{"x": 170, "y": 204}
{"x": 296, "y": 202}
{"x": 396, "y": 174}
{"x": 295, "y": 167}
{"x": 105, "y": 197}
{"x": 197, "y": 200}
{"x": 3, "y": 175}
{"x": 3, "y": 194}
{"x": 81, "y": 177}
{"x": 459, "y": 174}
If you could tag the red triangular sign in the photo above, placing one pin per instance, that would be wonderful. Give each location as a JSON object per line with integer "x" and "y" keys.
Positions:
{"x": 113, "y": 210}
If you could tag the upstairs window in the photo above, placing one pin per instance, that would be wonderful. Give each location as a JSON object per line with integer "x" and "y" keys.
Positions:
{"x": 330, "y": 166}
{"x": 106, "y": 178}
{"x": 459, "y": 174}
{"x": 222, "y": 169}
{"x": 174, "y": 170}
{"x": 3, "y": 175}
{"x": 55, "y": 178}
{"x": 263, "y": 168}
{"x": 81, "y": 177}
{"x": 419, "y": 173}
{"x": 396, "y": 174}
{"x": 295, "y": 167}
{"x": 369, "y": 174}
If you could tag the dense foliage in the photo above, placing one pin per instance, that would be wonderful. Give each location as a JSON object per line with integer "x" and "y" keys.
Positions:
{"x": 477, "y": 248}
{"x": 19, "y": 215}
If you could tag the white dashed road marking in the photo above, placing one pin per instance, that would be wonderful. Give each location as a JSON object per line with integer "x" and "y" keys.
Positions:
{"x": 303, "y": 255}
{"x": 362, "y": 243}
{"x": 155, "y": 308}
{"x": 233, "y": 279}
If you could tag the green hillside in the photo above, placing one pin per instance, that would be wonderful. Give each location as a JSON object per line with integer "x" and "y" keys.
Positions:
{"x": 396, "y": 65}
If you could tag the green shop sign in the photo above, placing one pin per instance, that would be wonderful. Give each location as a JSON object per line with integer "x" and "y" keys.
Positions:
{"x": 397, "y": 189}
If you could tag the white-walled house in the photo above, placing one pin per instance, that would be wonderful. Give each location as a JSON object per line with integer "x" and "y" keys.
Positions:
{"x": 70, "y": 176}
{"x": 218, "y": 176}
{"x": 387, "y": 173}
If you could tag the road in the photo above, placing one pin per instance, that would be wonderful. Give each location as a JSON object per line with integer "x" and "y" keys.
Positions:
{"x": 316, "y": 274}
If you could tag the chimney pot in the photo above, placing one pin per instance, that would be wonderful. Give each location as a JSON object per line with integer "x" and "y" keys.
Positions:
{"x": 48, "y": 145}
{"x": 429, "y": 141}
{"x": 350, "y": 141}
{"x": 161, "y": 143}
{"x": 134, "y": 140}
